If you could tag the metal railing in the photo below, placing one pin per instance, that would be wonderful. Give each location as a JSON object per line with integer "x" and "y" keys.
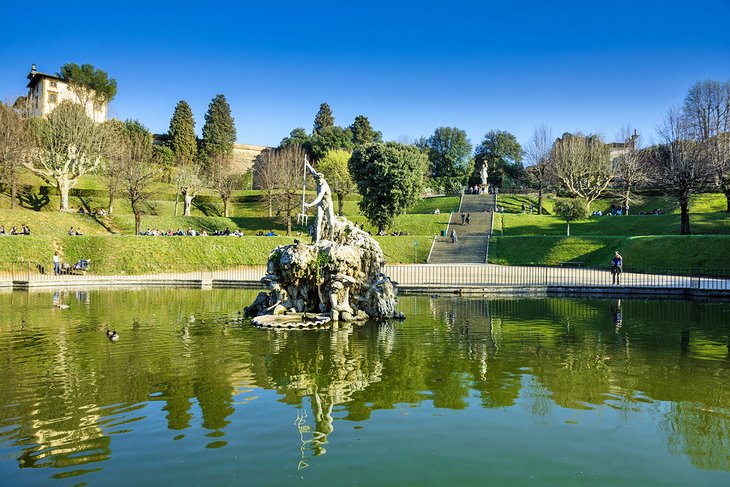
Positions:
{"x": 484, "y": 275}
{"x": 409, "y": 275}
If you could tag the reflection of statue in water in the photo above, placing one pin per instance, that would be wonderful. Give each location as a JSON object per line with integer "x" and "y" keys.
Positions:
{"x": 325, "y": 208}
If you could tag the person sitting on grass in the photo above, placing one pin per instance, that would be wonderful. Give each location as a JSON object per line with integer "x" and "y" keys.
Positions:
{"x": 14, "y": 230}
{"x": 78, "y": 231}
{"x": 203, "y": 232}
{"x": 2, "y": 230}
{"x": 71, "y": 232}
{"x": 26, "y": 230}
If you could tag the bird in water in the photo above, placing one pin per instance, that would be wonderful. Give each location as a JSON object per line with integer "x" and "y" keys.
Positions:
{"x": 112, "y": 335}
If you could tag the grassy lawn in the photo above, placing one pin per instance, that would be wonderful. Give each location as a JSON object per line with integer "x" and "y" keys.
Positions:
{"x": 632, "y": 225}
{"x": 639, "y": 253}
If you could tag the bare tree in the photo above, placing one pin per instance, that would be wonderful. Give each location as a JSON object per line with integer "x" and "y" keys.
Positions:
{"x": 629, "y": 166}
{"x": 678, "y": 166}
{"x": 582, "y": 165}
{"x": 290, "y": 174}
{"x": 707, "y": 111}
{"x": 265, "y": 175}
{"x": 537, "y": 155}
{"x": 136, "y": 170}
{"x": 223, "y": 177}
{"x": 190, "y": 181}
{"x": 68, "y": 145}
{"x": 15, "y": 145}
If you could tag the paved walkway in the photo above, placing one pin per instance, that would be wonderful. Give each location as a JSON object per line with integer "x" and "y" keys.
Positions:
{"x": 472, "y": 239}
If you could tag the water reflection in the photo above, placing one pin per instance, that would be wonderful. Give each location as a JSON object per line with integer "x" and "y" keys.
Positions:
{"x": 186, "y": 359}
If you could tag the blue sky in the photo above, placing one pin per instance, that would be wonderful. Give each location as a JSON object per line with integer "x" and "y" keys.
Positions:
{"x": 408, "y": 66}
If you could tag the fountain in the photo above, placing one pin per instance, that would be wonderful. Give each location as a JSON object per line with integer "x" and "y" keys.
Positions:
{"x": 337, "y": 278}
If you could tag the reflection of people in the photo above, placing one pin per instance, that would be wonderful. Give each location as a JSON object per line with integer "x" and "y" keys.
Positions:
{"x": 617, "y": 267}
{"x": 617, "y": 315}
{"x": 325, "y": 208}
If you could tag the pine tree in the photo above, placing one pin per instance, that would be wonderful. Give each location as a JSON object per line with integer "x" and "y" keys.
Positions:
{"x": 182, "y": 134}
{"x": 323, "y": 119}
{"x": 219, "y": 130}
{"x": 363, "y": 132}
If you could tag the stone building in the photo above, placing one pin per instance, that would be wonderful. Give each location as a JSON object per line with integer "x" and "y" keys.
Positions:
{"x": 46, "y": 91}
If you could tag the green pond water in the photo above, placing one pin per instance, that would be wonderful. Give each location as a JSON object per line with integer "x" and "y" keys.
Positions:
{"x": 464, "y": 392}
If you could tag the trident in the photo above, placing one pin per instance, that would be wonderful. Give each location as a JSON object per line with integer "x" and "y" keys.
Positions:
{"x": 303, "y": 218}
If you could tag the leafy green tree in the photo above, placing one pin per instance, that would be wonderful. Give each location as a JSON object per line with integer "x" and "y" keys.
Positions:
{"x": 164, "y": 158}
{"x": 363, "y": 132}
{"x": 219, "y": 130}
{"x": 300, "y": 138}
{"x": 571, "y": 209}
{"x": 89, "y": 83}
{"x": 387, "y": 177}
{"x": 502, "y": 155}
{"x": 329, "y": 139}
{"x": 323, "y": 119}
{"x": 68, "y": 145}
{"x": 449, "y": 151}
{"x": 334, "y": 165}
{"x": 182, "y": 141}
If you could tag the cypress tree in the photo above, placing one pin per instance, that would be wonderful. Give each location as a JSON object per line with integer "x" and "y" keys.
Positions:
{"x": 219, "y": 130}
{"x": 323, "y": 119}
{"x": 182, "y": 134}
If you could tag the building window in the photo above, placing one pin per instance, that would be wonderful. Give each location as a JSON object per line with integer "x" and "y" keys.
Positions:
{"x": 52, "y": 97}
{"x": 54, "y": 84}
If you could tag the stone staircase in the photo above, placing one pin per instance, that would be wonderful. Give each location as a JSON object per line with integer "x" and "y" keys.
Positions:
{"x": 471, "y": 245}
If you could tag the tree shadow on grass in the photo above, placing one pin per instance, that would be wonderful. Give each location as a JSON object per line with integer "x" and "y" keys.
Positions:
{"x": 206, "y": 208}
{"x": 34, "y": 201}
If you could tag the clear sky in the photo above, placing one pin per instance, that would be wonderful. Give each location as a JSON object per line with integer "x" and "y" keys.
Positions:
{"x": 409, "y": 66}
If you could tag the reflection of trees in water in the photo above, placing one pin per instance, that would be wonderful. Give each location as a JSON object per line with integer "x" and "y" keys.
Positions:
{"x": 545, "y": 352}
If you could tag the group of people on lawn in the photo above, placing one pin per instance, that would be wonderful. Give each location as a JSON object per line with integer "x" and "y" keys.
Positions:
{"x": 191, "y": 232}
{"x": 24, "y": 230}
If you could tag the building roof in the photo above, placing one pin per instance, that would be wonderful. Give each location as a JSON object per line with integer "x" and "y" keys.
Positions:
{"x": 35, "y": 76}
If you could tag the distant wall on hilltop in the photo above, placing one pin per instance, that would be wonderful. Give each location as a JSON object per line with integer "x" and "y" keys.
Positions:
{"x": 244, "y": 154}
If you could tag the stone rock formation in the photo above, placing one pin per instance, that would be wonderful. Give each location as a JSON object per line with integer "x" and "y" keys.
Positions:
{"x": 339, "y": 280}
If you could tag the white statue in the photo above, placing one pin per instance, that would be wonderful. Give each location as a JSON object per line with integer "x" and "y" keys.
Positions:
{"x": 325, "y": 208}
{"x": 484, "y": 173}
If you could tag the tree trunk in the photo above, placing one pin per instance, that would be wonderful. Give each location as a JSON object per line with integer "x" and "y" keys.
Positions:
{"x": 340, "y": 196}
{"x": 627, "y": 196}
{"x": 64, "y": 186}
{"x": 177, "y": 198}
{"x": 187, "y": 203}
{"x": 539, "y": 199}
{"x": 567, "y": 233}
{"x": 137, "y": 217}
{"x": 684, "y": 219}
{"x": 225, "y": 206}
{"x": 288, "y": 223}
{"x": 13, "y": 187}
{"x": 271, "y": 203}
{"x": 727, "y": 198}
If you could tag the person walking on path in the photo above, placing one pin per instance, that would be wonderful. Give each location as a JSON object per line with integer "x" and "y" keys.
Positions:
{"x": 468, "y": 218}
{"x": 463, "y": 218}
{"x": 617, "y": 267}
{"x": 454, "y": 238}
{"x": 56, "y": 264}
{"x": 523, "y": 208}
